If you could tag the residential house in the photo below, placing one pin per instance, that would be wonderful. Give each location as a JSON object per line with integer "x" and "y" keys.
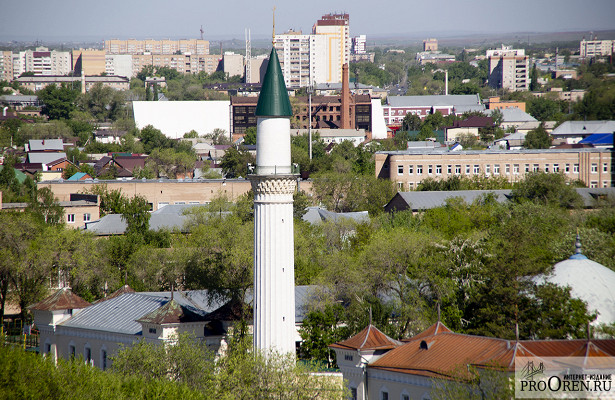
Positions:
{"x": 469, "y": 126}
{"x": 454, "y": 104}
{"x": 572, "y": 132}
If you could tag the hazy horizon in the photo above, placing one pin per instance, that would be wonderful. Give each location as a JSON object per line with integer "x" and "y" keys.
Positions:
{"x": 71, "y": 20}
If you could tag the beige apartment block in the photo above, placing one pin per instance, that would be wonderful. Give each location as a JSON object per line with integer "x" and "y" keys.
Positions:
{"x": 596, "y": 48}
{"x": 6, "y": 66}
{"x": 90, "y": 61}
{"x": 509, "y": 69}
{"x": 408, "y": 168}
{"x": 183, "y": 63}
{"x": 166, "y": 46}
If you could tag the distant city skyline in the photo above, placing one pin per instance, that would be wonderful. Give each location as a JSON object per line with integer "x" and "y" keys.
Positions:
{"x": 97, "y": 21}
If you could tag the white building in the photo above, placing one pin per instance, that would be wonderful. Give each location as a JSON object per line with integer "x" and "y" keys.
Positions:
{"x": 596, "y": 48}
{"x": 359, "y": 44}
{"x": 509, "y": 69}
{"x": 317, "y": 57}
{"x": 42, "y": 62}
{"x": 120, "y": 65}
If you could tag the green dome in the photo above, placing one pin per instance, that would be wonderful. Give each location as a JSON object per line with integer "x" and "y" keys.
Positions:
{"x": 273, "y": 100}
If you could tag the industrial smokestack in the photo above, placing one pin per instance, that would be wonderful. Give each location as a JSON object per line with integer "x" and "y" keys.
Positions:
{"x": 446, "y": 82}
{"x": 345, "y": 117}
{"x": 4, "y": 111}
{"x": 82, "y": 81}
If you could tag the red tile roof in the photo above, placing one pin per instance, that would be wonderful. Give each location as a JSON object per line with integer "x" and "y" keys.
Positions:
{"x": 63, "y": 299}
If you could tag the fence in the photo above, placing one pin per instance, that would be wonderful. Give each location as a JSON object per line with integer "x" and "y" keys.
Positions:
{"x": 13, "y": 333}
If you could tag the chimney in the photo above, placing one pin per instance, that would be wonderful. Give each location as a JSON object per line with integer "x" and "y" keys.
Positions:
{"x": 345, "y": 98}
{"x": 446, "y": 82}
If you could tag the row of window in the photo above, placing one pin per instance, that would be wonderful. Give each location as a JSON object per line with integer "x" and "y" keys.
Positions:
{"x": 70, "y": 218}
{"x": 87, "y": 354}
{"x": 384, "y": 395}
{"x": 495, "y": 168}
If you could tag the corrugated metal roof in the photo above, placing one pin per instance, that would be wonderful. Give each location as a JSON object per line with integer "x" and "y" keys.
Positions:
{"x": 117, "y": 315}
{"x": 45, "y": 158}
{"x": 45, "y": 144}
{"x": 432, "y": 199}
{"x": 514, "y": 114}
{"x": 173, "y": 313}
{"x": 583, "y": 128}
{"x": 315, "y": 215}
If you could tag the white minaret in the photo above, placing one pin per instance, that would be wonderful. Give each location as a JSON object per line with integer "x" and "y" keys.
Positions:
{"x": 273, "y": 184}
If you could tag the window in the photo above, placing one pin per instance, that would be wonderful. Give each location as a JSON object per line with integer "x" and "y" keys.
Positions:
{"x": 103, "y": 359}
{"x": 555, "y": 167}
{"x": 87, "y": 217}
{"x": 71, "y": 351}
{"x": 487, "y": 169}
{"x": 410, "y": 169}
{"x": 405, "y": 397}
{"x": 605, "y": 184}
{"x": 348, "y": 357}
{"x": 419, "y": 169}
{"x": 575, "y": 168}
{"x": 430, "y": 169}
{"x": 527, "y": 167}
{"x": 605, "y": 167}
{"x": 400, "y": 170}
{"x": 438, "y": 170}
{"x": 400, "y": 186}
{"x": 87, "y": 355}
{"x": 467, "y": 170}
{"x": 384, "y": 396}
{"x": 411, "y": 185}
{"x": 353, "y": 393}
{"x": 449, "y": 169}
{"x": 508, "y": 169}
{"x": 536, "y": 168}
{"x": 593, "y": 184}
{"x": 567, "y": 170}
{"x": 546, "y": 167}
{"x": 496, "y": 169}
{"x": 70, "y": 218}
{"x": 152, "y": 330}
{"x": 516, "y": 169}
{"x": 457, "y": 169}
{"x": 47, "y": 348}
{"x": 594, "y": 168}
{"x": 476, "y": 169}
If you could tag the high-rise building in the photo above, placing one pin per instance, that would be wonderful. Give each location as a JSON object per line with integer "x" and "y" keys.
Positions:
{"x": 133, "y": 46}
{"x": 359, "y": 44}
{"x": 430, "y": 44}
{"x": 41, "y": 61}
{"x": 596, "y": 48}
{"x": 6, "y": 65}
{"x": 307, "y": 59}
{"x": 88, "y": 61}
{"x": 509, "y": 69}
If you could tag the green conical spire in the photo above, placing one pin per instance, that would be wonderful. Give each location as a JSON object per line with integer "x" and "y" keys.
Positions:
{"x": 273, "y": 100}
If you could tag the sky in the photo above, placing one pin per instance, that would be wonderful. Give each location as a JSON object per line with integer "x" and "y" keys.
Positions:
{"x": 98, "y": 20}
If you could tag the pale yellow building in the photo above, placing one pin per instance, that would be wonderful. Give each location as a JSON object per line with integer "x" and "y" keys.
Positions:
{"x": 408, "y": 168}
{"x": 90, "y": 61}
{"x": 165, "y": 46}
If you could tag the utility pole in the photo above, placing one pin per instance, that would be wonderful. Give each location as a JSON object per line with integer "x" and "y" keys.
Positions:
{"x": 310, "y": 89}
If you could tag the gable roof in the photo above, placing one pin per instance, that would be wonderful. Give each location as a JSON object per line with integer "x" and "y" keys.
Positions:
{"x": 79, "y": 176}
{"x": 62, "y": 299}
{"x": 173, "y": 313}
{"x": 370, "y": 338}
{"x": 45, "y": 158}
{"x": 514, "y": 114}
{"x": 316, "y": 215}
{"x": 583, "y": 128}
{"x": 45, "y": 145}
{"x": 599, "y": 139}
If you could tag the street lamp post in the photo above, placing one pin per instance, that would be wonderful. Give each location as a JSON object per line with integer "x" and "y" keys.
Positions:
{"x": 310, "y": 89}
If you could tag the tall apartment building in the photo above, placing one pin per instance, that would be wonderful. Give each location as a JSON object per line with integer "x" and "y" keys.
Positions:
{"x": 41, "y": 61}
{"x": 596, "y": 48}
{"x": 6, "y": 66}
{"x": 133, "y": 46}
{"x": 317, "y": 57}
{"x": 359, "y": 44}
{"x": 430, "y": 44}
{"x": 509, "y": 69}
{"x": 88, "y": 61}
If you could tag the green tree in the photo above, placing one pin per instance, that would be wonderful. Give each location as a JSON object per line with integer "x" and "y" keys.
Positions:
{"x": 235, "y": 162}
{"x": 537, "y": 138}
{"x": 548, "y": 189}
{"x": 411, "y": 122}
{"x": 250, "y": 136}
{"x": 58, "y": 102}
{"x": 46, "y": 207}
{"x": 136, "y": 214}
{"x": 319, "y": 330}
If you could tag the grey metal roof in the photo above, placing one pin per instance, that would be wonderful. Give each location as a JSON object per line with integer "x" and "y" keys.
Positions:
{"x": 464, "y": 108}
{"x": 433, "y": 199}
{"x": 583, "y": 128}
{"x": 315, "y": 215}
{"x": 168, "y": 217}
{"x": 452, "y": 100}
{"x": 591, "y": 195}
{"x": 45, "y": 144}
{"x": 514, "y": 114}
{"x": 45, "y": 158}
{"x": 497, "y": 151}
{"x": 117, "y": 315}
{"x": 120, "y": 314}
